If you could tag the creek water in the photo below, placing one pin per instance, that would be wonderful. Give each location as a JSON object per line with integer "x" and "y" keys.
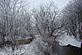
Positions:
{"x": 68, "y": 50}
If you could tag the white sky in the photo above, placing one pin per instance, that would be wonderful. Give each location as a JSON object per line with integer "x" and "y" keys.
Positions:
{"x": 59, "y": 3}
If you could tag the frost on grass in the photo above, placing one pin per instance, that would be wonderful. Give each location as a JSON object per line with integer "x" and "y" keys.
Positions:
{"x": 27, "y": 49}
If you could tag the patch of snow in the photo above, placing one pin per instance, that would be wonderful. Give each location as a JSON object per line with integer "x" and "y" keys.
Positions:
{"x": 67, "y": 39}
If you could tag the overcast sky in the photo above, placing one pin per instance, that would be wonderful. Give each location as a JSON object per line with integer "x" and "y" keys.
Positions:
{"x": 59, "y": 3}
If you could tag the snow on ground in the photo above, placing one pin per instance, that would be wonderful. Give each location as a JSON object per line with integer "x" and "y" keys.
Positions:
{"x": 67, "y": 39}
{"x": 34, "y": 47}
{"x": 28, "y": 49}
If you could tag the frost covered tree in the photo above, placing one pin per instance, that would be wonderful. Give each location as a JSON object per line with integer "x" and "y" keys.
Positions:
{"x": 72, "y": 18}
{"x": 9, "y": 13}
{"x": 47, "y": 25}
